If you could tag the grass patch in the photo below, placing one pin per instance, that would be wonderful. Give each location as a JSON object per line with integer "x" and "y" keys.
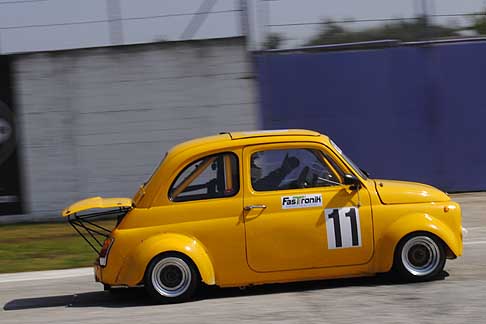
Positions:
{"x": 31, "y": 247}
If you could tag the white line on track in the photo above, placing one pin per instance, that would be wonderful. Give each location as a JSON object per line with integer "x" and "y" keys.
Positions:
{"x": 474, "y": 242}
{"x": 45, "y": 275}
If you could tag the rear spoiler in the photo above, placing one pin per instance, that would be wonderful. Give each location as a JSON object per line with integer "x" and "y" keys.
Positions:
{"x": 83, "y": 221}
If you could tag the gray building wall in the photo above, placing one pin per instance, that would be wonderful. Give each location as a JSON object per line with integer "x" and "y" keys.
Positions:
{"x": 98, "y": 121}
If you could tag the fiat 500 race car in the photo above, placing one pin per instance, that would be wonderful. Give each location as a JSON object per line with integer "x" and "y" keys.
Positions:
{"x": 247, "y": 208}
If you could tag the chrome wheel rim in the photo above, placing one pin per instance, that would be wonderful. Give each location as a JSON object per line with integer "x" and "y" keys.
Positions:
{"x": 171, "y": 277}
{"x": 420, "y": 256}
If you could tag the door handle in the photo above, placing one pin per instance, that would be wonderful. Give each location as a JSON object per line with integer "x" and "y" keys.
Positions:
{"x": 250, "y": 207}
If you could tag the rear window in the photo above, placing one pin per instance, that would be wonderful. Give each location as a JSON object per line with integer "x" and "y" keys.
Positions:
{"x": 214, "y": 176}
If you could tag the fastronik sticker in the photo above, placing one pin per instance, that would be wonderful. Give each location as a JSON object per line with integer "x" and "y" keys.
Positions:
{"x": 302, "y": 201}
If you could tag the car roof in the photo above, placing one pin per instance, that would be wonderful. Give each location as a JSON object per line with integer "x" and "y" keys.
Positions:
{"x": 205, "y": 145}
{"x": 228, "y": 139}
{"x": 274, "y": 132}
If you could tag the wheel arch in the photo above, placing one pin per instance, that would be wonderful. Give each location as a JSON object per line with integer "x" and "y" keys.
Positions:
{"x": 449, "y": 253}
{"x": 171, "y": 253}
{"x": 387, "y": 242}
{"x": 133, "y": 270}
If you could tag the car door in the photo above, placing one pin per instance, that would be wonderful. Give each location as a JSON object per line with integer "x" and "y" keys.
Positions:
{"x": 298, "y": 213}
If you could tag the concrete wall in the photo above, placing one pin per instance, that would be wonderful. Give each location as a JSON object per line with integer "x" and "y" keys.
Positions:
{"x": 98, "y": 121}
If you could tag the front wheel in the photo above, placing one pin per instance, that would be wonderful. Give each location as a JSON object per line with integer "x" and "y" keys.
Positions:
{"x": 419, "y": 257}
{"x": 171, "y": 278}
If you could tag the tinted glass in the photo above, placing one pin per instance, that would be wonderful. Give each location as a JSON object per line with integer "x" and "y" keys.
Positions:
{"x": 291, "y": 169}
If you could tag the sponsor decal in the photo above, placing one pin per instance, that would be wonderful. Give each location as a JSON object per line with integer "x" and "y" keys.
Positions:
{"x": 301, "y": 201}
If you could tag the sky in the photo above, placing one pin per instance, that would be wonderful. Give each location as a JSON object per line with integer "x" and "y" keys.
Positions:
{"x": 40, "y": 25}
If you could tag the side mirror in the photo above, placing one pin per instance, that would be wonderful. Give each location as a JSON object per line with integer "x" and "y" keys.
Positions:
{"x": 350, "y": 179}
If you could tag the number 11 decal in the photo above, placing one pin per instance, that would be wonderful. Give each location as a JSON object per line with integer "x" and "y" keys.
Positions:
{"x": 343, "y": 227}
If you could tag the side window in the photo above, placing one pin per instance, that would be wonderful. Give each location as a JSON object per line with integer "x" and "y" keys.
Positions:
{"x": 291, "y": 169}
{"x": 214, "y": 176}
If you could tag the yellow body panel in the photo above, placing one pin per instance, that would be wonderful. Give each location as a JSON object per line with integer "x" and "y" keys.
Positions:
{"x": 136, "y": 262}
{"x": 233, "y": 246}
{"x": 96, "y": 202}
{"x": 403, "y": 192}
{"x": 401, "y": 221}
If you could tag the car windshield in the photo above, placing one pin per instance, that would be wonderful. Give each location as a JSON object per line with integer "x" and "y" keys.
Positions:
{"x": 350, "y": 162}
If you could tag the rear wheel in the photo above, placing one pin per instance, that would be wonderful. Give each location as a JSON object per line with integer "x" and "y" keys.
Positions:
{"x": 419, "y": 257}
{"x": 171, "y": 278}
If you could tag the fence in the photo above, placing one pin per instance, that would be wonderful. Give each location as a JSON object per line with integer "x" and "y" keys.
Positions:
{"x": 407, "y": 112}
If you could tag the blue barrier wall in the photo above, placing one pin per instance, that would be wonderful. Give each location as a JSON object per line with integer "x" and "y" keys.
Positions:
{"x": 408, "y": 113}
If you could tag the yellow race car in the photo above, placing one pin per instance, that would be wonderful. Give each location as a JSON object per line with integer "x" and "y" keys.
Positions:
{"x": 248, "y": 208}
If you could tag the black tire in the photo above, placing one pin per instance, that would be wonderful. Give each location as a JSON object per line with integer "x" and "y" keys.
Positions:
{"x": 419, "y": 256}
{"x": 171, "y": 278}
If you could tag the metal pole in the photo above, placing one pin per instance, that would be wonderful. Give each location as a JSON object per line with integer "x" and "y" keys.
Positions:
{"x": 198, "y": 19}
{"x": 115, "y": 23}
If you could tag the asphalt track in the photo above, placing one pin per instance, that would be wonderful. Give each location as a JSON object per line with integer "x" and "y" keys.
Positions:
{"x": 72, "y": 296}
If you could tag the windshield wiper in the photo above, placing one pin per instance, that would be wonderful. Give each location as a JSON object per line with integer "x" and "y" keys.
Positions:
{"x": 329, "y": 181}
